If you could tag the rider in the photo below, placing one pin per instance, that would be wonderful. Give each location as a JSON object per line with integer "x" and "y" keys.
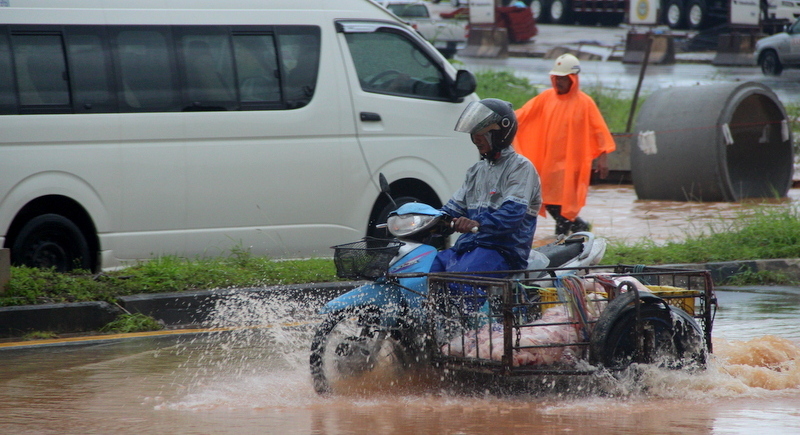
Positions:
{"x": 500, "y": 197}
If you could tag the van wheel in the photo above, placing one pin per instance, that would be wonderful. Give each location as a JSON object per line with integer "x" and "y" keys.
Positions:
{"x": 51, "y": 241}
{"x": 770, "y": 64}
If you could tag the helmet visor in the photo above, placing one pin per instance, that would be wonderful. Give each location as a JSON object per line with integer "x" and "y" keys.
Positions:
{"x": 476, "y": 117}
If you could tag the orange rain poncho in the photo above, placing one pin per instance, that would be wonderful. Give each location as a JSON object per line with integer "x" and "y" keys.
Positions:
{"x": 561, "y": 135}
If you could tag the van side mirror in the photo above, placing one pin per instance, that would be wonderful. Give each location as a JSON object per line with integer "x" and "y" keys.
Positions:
{"x": 465, "y": 84}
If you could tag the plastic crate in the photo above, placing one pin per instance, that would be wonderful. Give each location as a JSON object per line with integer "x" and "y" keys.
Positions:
{"x": 365, "y": 259}
{"x": 675, "y": 296}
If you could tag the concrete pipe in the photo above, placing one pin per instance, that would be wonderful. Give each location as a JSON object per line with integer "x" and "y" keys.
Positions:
{"x": 712, "y": 143}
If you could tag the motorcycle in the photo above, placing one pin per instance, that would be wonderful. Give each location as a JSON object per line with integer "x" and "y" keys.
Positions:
{"x": 381, "y": 325}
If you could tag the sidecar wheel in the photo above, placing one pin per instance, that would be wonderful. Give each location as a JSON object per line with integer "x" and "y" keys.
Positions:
{"x": 348, "y": 346}
{"x": 672, "y": 338}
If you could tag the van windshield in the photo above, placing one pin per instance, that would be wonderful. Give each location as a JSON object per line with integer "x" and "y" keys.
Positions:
{"x": 389, "y": 63}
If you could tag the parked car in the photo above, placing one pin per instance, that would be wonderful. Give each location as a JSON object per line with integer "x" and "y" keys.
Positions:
{"x": 447, "y": 35}
{"x": 779, "y": 51}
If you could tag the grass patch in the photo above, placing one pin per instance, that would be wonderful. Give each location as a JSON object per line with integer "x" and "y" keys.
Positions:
{"x": 505, "y": 86}
{"x": 762, "y": 277}
{"x": 161, "y": 275}
{"x": 127, "y": 323}
{"x": 39, "y": 335}
{"x": 762, "y": 233}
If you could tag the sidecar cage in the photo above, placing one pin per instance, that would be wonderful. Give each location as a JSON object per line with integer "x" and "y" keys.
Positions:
{"x": 484, "y": 324}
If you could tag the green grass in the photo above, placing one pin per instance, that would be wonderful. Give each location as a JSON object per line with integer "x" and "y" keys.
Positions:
{"x": 763, "y": 233}
{"x": 127, "y": 323}
{"x": 505, "y": 86}
{"x": 161, "y": 275}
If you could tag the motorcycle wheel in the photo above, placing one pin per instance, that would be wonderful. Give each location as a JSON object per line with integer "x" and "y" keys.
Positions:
{"x": 349, "y": 346}
{"x": 673, "y": 339}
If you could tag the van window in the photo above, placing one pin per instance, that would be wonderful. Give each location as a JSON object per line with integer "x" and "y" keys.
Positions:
{"x": 90, "y": 75}
{"x": 8, "y": 101}
{"x": 299, "y": 51}
{"x": 257, "y": 68}
{"x": 208, "y": 70}
{"x": 40, "y": 69}
{"x": 389, "y": 63}
{"x": 146, "y": 72}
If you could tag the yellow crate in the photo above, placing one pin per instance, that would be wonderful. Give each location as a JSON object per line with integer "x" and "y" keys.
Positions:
{"x": 675, "y": 296}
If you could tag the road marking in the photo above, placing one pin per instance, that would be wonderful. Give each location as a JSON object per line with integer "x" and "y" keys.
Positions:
{"x": 90, "y": 338}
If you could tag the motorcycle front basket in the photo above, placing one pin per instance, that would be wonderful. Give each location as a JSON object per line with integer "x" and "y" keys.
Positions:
{"x": 365, "y": 259}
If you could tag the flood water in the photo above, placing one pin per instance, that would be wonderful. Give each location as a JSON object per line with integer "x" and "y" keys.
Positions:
{"x": 255, "y": 380}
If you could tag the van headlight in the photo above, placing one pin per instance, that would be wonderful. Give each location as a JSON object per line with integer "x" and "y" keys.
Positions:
{"x": 403, "y": 225}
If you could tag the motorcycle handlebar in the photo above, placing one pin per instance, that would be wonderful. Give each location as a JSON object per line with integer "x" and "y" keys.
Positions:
{"x": 473, "y": 230}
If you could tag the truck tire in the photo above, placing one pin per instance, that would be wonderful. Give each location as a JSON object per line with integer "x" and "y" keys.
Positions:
{"x": 674, "y": 14}
{"x": 560, "y": 12}
{"x": 540, "y": 10}
{"x": 697, "y": 14}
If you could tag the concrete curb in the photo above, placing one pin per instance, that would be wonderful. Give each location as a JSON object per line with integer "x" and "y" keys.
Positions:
{"x": 191, "y": 308}
{"x": 173, "y": 309}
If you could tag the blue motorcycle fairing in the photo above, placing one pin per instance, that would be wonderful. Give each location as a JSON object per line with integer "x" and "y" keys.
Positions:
{"x": 416, "y": 208}
{"x": 392, "y": 298}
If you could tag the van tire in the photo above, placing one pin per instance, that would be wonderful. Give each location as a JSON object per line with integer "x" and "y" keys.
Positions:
{"x": 51, "y": 241}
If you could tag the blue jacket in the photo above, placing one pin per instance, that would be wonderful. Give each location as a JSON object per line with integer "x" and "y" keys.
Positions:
{"x": 504, "y": 197}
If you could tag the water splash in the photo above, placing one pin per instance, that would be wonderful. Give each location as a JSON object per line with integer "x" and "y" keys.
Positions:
{"x": 259, "y": 359}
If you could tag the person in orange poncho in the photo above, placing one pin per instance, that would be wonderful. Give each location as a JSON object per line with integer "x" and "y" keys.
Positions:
{"x": 561, "y": 131}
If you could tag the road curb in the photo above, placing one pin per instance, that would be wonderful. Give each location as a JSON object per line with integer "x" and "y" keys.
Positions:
{"x": 192, "y": 308}
{"x": 178, "y": 309}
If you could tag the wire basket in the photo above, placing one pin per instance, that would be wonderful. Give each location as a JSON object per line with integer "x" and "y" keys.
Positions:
{"x": 365, "y": 259}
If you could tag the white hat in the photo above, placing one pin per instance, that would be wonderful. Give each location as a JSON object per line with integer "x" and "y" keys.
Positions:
{"x": 566, "y": 64}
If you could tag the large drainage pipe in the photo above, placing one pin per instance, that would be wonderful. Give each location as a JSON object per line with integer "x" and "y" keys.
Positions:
{"x": 712, "y": 143}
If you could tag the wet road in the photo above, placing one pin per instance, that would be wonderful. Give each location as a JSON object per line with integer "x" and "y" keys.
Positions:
{"x": 617, "y": 214}
{"x": 255, "y": 381}
{"x": 615, "y": 75}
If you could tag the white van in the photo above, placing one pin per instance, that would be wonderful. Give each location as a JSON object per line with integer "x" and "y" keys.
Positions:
{"x": 138, "y": 128}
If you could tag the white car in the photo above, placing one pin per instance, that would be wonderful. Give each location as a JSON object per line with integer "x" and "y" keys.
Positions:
{"x": 779, "y": 51}
{"x": 447, "y": 35}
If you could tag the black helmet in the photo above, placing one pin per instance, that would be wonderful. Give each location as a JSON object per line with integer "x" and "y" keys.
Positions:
{"x": 490, "y": 111}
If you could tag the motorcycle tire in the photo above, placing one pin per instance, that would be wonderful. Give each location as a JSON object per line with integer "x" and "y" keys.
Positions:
{"x": 674, "y": 339}
{"x": 349, "y": 345}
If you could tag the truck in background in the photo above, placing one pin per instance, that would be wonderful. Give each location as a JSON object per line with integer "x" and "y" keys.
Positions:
{"x": 677, "y": 14}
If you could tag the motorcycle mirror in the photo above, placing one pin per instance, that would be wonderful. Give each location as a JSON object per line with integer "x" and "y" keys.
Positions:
{"x": 384, "y": 184}
{"x": 385, "y": 188}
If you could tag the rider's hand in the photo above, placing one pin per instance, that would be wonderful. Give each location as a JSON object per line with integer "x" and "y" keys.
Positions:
{"x": 464, "y": 225}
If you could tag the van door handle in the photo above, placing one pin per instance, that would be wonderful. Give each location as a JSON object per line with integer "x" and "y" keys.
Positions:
{"x": 370, "y": 116}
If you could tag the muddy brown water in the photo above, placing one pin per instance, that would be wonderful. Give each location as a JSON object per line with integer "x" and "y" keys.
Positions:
{"x": 254, "y": 379}
{"x": 615, "y": 213}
